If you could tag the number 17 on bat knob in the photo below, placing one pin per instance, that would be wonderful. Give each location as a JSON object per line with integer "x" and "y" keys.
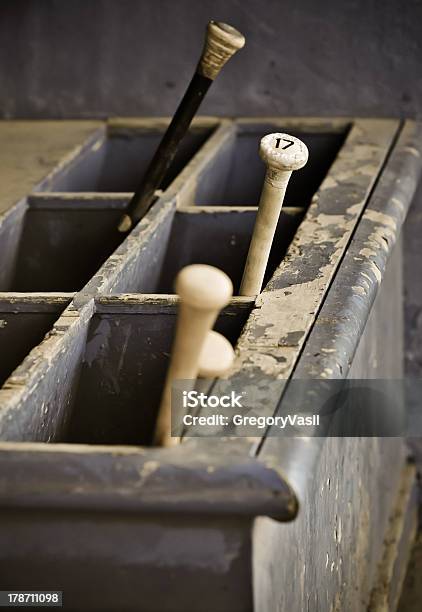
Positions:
{"x": 282, "y": 155}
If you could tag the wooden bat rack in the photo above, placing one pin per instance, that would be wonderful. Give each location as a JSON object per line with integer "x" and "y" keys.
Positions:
{"x": 86, "y": 320}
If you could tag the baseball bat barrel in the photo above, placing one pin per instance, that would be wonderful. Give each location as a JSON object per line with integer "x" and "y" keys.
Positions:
{"x": 203, "y": 292}
{"x": 221, "y": 42}
{"x": 282, "y": 155}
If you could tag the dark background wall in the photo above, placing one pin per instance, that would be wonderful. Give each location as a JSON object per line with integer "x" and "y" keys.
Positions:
{"x": 85, "y": 58}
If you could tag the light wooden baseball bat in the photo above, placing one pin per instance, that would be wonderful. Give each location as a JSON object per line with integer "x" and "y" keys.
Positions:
{"x": 203, "y": 292}
{"x": 282, "y": 154}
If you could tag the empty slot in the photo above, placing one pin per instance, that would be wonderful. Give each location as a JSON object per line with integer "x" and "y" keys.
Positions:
{"x": 123, "y": 371}
{"x": 61, "y": 245}
{"x": 216, "y": 238}
{"x": 22, "y": 327}
{"x": 118, "y": 163}
{"x": 236, "y": 174}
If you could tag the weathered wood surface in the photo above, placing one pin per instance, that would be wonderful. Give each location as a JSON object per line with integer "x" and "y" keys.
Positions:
{"x": 399, "y": 539}
{"x": 226, "y": 232}
{"x": 359, "y": 335}
{"x": 123, "y": 370}
{"x": 169, "y": 572}
{"x": 118, "y": 160}
{"x": 140, "y": 480}
{"x": 335, "y": 335}
{"x": 371, "y": 138}
{"x": 138, "y": 303}
{"x": 41, "y": 302}
{"x": 287, "y": 308}
{"x": 130, "y": 125}
{"x": 410, "y": 599}
{"x": 183, "y": 183}
{"x": 102, "y": 372}
{"x": 61, "y": 249}
{"x": 360, "y": 179}
{"x": 346, "y": 492}
{"x": 31, "y": 150}
{"x": 34, "y": 398}
{"x": 168, "y": 239}
{"x": 136, "y": 264}
{"x": 280, "y": 472}
{"x": 24, "y": 321}
{"x": 284, "y": 313}
{"x": 365, "y": 262}
{"x": 235, "y": 173}
{"x": 56, "y": 244}
{"x": 55, "y": 200}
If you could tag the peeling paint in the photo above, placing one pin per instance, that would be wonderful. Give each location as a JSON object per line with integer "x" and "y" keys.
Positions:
{"x": 413, "y": 151}
{"x": 376, "y": 271}
{"x": 367, "y": 253}
{"x": 359, "y": 290}
{"x": 398, "y": 203}
{"x": 148, "y": 468}
{"x": 380, "y": 217}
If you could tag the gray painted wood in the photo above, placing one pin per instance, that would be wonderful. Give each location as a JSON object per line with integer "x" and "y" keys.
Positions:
{"x": 32, "y": 152}
{"x": 60, "y": 249}
{"x": 117, "y": 162}
{"x": 123, "y": 370}
{"x": 274, "y": 335}
{"x": 227, "y": 234}
{"x": 23, "y": 324}
{"x": 168, "y": 239}
{"x": 11, "y": 224}
{"x": 398, "y": 542}
{"x": 158, "y": 502}
{"x": 130, "y": 577}
{"x": 297, "y": 289}
{"x": 367, "y": 258}
{"x": 348, "y": 491}
{"x": 236, "y": 178}
{"x": 102, "y": 373}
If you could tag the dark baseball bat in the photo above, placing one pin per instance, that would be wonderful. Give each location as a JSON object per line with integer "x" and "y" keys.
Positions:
{"x": 221, "y": 42}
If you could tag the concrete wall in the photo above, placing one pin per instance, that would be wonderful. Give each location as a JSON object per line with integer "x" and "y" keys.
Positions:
{"x": 134, "y": 57}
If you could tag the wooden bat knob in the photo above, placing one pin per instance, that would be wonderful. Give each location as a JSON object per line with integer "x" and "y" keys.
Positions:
{"x": 221, "y": 42}
{"x": 204, "y": 287}
{"x": 203, "y": 291}
{"x": 282, "y": 152}
{"x": 216, "y": 357}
